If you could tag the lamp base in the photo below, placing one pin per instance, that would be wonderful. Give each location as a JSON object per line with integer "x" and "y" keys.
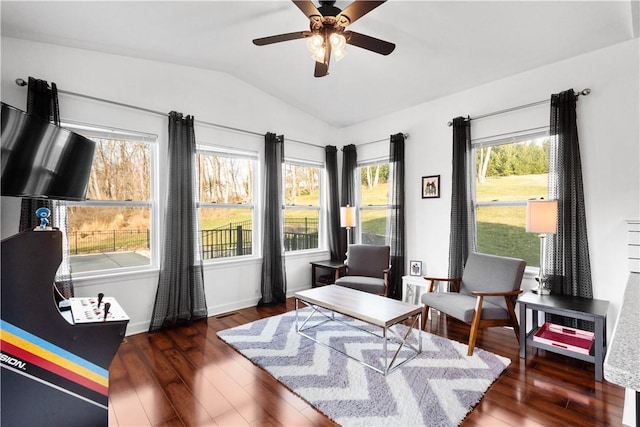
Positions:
{"x": 541, "y": 290}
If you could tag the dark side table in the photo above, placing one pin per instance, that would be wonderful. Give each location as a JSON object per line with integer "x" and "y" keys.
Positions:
{"x": 593, "y": 310}
{"x": 329, "y": 270}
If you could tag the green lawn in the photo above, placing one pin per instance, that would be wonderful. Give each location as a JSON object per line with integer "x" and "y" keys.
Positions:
{"x": 501, "y": 230}
{"x": 514, "y": 187}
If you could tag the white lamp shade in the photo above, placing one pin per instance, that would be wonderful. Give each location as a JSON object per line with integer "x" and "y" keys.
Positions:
{"x": 348, "y": 216}
{"x": 542, "y": 216}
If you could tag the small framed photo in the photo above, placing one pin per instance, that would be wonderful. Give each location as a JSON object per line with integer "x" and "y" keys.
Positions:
{"x": 415, "y": 268}
{"x": 431, "y": 187}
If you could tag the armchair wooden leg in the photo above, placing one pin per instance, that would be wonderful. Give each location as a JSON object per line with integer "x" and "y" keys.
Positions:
{"x": 425, "y": 312}
{"x": 475, "y": 324}
{"x": 514, "y": 319}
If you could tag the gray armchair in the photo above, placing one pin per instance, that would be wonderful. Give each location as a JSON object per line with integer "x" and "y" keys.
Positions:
{"x": 484, "y": 296}
{"x": 366, "y": 269}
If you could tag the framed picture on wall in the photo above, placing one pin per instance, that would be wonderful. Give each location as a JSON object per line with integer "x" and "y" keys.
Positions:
{"x": 415, "y": 268}
{"x": 431, "y": 187}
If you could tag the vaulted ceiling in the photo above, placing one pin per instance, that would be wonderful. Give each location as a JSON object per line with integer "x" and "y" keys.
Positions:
{"x": 443, "y": 47}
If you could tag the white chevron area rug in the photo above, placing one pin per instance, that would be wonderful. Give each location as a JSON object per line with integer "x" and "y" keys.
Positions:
{"x": 437, "y": 388}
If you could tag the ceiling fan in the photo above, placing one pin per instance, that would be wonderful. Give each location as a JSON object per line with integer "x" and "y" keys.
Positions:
{"x": 327, "y": 32}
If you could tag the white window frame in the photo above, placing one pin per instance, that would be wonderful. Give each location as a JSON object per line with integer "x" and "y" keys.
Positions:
{"x": 361, "y": 206}
{"x": 105, "y": 132}
{"x": 319, "y": 209}
{"x": 493, "y": 141}
{"x": 238, "y": 154}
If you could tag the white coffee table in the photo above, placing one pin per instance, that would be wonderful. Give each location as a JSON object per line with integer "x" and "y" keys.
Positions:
{"x": 373, "y": 309}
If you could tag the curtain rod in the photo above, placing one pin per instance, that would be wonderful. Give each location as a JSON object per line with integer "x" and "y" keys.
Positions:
{"x": 406, "y": 136}
{"x": 584, "y": 92}
{"x": 22, "y": 82}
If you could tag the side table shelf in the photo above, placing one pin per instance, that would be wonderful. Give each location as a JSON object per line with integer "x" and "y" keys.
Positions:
{"x": 324, "y": 272}
{"x": 575, "y": 307}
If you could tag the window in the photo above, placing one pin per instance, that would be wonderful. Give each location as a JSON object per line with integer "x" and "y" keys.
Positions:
{"x": 301, "y": 205}
{"x": 507, "y": 174}
{"x": 226, "y": 181}
{"x": 374, "y": 202}
{"x": 112, "y": 229}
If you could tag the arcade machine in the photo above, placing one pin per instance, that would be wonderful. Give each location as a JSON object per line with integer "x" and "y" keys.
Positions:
{"x": 55, "y": 352}
{"x": 54, "y": 362}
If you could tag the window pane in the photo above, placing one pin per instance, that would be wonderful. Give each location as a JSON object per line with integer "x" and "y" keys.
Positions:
{"x": 300, "y": 229}
{"x": 373, "y": 226}
{"x": 302, "y": 207}
{"x": 302, "y": 185}
{"x": 224, "y": 179}
{"x": 511, "y": 172}
{"x": 516, "y": 171}
{"x": 102, "y": 238}
{"x": 374, "y": 191}
{"x": 120, "y": 171}
{"x": 501, "y": 231}
{"x": 374, "y": 185}
{"x": 226, "y": 232}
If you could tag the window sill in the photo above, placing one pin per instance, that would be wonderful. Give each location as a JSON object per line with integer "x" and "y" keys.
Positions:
{"x": 105, "y": 276}
{"x": 531, "y": 272}
{"x": 230, "y": 262}
{"x": 306, "y": 253}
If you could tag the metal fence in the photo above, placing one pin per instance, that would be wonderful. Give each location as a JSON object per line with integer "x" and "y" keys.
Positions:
{"x": 99, "y": 241}
{"x": 300, "y": 233}
{"x": 234, "y": 239}
{"x": 231, "y": 240}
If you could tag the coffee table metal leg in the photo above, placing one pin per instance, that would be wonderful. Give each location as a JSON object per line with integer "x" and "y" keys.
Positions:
{"x": 388, "y": 366}
{"x": 384, "y": 345}
{"x": 419, "y": 332}
{"x": 402, "y": 344}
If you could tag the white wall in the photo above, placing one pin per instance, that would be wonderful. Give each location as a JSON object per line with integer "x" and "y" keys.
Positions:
{"x": 608, "y": 128}
{"x": 607, "y": 121}
{"x": 211, "y": 97}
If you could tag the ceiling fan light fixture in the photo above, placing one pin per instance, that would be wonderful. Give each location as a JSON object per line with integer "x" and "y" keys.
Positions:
{"x": 338, "y": 44}
{"x": 338, "y": 41}
{"x": 318, "y": 54}
{"x": 339, "y": 53}
{"x": 314, "y": 43}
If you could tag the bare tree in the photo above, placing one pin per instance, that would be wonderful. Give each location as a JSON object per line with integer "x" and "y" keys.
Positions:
{"x": 485, "y": 154}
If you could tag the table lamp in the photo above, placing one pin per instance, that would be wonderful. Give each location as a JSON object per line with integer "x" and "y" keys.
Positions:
{"x": 348, "y": 220}
{"x": 542, "y": 218}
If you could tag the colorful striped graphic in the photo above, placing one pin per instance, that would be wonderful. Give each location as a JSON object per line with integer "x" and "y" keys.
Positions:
{"x": 33, "y": 350}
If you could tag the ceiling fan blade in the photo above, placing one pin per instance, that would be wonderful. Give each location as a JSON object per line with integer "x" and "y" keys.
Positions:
{"x": 281, "y": 38}
{"x": 307, "y": 8}
{"x": 356, "y": 10}
{"x": 370, "y": 43}
{"x": 322, "y": 68}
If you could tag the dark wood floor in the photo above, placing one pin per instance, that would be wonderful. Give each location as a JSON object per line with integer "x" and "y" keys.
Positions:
{"x": 188, "y": 377}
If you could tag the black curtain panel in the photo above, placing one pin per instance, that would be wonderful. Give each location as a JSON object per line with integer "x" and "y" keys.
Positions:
{"x": 333, "y": 203}
{"x": 569, "y": 268}
{"x": 180, "y": 297}
{"x": 348, "y": 193}
{"x": 397, "y": 232}
{"x": 462, "y": 237}
{"x": 274, "y": 279}
{"x": 42, "y": 102}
